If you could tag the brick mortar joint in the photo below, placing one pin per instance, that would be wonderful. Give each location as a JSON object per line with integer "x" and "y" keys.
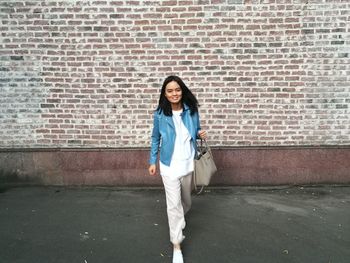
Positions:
{"x": 117, "y": 149}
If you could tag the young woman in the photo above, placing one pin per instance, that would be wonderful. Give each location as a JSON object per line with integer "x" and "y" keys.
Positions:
{"x": 175, "y": 130}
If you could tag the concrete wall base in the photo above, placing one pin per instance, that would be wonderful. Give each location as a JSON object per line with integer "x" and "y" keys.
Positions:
{"x": 128, "y": 167}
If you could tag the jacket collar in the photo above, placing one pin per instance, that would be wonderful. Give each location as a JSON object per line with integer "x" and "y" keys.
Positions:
{"x": 169, "y": 119}
{"x": 186, "y": 107}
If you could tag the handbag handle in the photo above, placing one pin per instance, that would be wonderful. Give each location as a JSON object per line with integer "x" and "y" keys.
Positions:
{"x": 203, "y": 150}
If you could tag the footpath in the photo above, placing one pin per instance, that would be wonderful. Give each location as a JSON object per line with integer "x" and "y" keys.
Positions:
{"x": 309, "y": 224}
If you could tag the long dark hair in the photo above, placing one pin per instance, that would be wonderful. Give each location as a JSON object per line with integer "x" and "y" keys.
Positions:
{"x": 187, "y": 97}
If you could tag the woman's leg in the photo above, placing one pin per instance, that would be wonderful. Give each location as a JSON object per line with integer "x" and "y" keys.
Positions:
{"x": 186, "y": 189}
{"x": 175, "y": 210}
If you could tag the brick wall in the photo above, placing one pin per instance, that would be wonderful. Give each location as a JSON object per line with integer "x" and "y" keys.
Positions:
{"x": 88, "y": 73}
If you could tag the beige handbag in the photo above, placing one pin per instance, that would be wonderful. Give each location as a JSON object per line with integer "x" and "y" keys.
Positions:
{"x": 204, "y": 166}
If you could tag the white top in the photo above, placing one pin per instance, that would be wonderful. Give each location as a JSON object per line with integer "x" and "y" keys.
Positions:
{"x": 182, "y": 160}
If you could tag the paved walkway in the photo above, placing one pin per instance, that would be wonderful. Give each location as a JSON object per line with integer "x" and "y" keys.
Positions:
{"x": 238, "y": 224}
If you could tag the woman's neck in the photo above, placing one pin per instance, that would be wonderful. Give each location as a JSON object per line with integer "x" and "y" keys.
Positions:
{"x": 176, "y": 107}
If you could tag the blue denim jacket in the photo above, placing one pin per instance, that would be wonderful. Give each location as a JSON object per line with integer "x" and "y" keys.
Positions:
{"x": 163, "y": 134}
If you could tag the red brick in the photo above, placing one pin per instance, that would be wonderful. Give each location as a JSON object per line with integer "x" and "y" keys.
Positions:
{"x": 272, "y": 69}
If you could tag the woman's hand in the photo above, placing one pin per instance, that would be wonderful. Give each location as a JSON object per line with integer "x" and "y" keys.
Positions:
{"x": 202, "y": 134}
{"x": 152, "y": 169}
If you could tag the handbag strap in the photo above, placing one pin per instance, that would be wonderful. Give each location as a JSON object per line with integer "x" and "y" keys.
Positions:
{"x": 195, "y": 184}
{"x": 198, "y": 149}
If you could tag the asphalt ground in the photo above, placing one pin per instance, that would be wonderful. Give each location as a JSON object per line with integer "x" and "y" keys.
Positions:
{"x": 308, "y": 224}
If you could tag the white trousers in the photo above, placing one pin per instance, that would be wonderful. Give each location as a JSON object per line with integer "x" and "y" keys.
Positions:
{"x": 178, "y": 201}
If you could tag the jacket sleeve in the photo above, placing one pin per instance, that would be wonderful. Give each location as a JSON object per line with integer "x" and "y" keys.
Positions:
{"x": 155, "y": 139}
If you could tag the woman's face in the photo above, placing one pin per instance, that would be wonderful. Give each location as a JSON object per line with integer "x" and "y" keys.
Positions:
{"x": 173, "y": 92}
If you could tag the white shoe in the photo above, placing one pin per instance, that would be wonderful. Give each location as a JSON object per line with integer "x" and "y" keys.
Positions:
{"x": 177, "y": 256}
